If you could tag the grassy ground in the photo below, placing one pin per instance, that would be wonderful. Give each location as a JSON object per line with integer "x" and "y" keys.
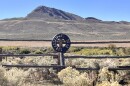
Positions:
{"x": 68, "y": 76}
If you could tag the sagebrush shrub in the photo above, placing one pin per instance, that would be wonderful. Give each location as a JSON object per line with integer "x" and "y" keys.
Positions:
{"x": 16, "y": 76}
{"x": 107, "y": 83}
{"x": 38, "y": 52}
{"x": 24, "y": 51}
{"x": 3, "y": 80}
{"x": 107, "y": 78}
{"x": 72, "y": 77}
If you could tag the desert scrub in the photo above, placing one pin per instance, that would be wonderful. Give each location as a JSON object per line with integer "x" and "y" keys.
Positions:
{"x": 82, "y": 63}
{"x": 110, "y": 50}
{"x": 48, "y": 50}
{"x": 38, "y": 52}
{"x": 10, "y": 49}
{"x": 29, "y": 76}
{"x": 108, "y": 63}
{"x": 120, "y": 52}
{"x": 127, "y": 51}
{"x": 41, "y": 60}
{"x": 106, "y": 83}
{"x": 12, "y": 60}
{"x": 93, "y": 63}
{"x": 125, "y": 62}
{"x": 95, "y": 52}
{"x": 72, "y": 77}
{"x": 75, "y": 49}
{"x": 3, "y": 80}
{"x": 7, "y": 48}
{"x": 108, "y": 77}
{"x": 125, "y": 74}
{"x": 24, "y": 51}
{"x": 30, "y": 60}
{"x": 16, "y": 76}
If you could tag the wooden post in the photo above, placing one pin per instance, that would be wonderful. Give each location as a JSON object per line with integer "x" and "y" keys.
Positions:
{"x": 58, "y": 59}
{"x": 62, "y": 60}
{"x": 1, "y": 53}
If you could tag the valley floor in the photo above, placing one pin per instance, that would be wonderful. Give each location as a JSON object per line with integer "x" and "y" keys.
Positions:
{"x": 48, "y": 44}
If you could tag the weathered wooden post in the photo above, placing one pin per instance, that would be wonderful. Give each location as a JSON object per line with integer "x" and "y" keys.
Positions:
{"x": 1, "y": 53}
{"x": 62, "y": 60}
{"x": 61, "y": 43}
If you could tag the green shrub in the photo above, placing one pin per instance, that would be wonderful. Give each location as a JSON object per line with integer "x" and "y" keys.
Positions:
{"x": 95, "y": 52}
{"x": 38, "y": 52}
{"x": 24, "y": 51}
{"x": 120, "y": 52}
{"x": 105, "y": 52}
{"x": 75, "y": 49}
{"x": 49, "y": 50}
{"x": 6, "y": 48}
{"x": 127, "y": 51}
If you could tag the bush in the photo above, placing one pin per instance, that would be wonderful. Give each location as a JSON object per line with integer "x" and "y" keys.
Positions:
{"x": 10, "y": 49}
{"x": 38, "y": 52}
{"x": 107, "y": 78}
{"x": 49, "y": 50}
{"x": 16, "y": 77}
{"x": 3, "y": 80}
{"x": 46, "y": 60}
{"x": 24, "y": 51}
{"x": 106, "y": 83}
{"x": 95, "y": 52}
{"x": 75, "y": 49}
{"x": 72, "y": 77}
{"x": 127, "y": 51}
{"x": 120, "y": 52}
{"x": 6, "y": 48}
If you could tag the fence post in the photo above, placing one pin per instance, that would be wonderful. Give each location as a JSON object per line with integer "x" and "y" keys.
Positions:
{"x": 1, "y": 53}
{"x": 62, "y": 60}
{"x": 58, "y": 59}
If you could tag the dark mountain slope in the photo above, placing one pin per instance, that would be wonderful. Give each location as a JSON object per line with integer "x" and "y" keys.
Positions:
{"x": 44, "y": 12}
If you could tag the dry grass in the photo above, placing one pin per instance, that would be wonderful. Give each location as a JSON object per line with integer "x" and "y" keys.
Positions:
{"x": 69, "y": 76}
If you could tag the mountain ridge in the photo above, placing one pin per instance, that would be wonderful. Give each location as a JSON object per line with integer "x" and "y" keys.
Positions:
{"x": 51, "y": 12}
{"x": 47, "y": 12}
{"x": 43, "y": 27}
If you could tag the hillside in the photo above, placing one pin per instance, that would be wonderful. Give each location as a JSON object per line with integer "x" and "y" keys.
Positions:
{"x": 43, "y": 12}
{"x": 44, "y": 22}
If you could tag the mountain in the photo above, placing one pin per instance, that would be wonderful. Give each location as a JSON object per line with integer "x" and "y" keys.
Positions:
{"x": 44, "y": 23}
{"x": 44, "y": 12}
{"x": 92, "y": 19}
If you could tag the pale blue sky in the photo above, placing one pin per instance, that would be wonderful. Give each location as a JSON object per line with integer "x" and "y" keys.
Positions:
{"x": 109, "y": 10}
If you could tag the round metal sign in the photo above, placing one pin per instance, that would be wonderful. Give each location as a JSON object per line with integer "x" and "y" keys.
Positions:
{"x": 61, "y": 43}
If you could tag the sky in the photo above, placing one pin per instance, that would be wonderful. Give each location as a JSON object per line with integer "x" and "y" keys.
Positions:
{"x": 107, "y": 10}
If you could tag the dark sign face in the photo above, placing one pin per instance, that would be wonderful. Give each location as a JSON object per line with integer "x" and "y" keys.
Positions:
{"x": 61, "y": 43}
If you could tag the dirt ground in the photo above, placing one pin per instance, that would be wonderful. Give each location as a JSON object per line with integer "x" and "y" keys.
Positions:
{"x": 48, "y": 44}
